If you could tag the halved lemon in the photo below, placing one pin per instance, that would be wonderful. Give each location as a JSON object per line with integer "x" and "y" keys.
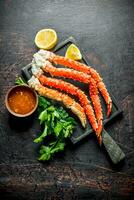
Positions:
{"x": 73, "y": 52}
{"x": 46, "y": 39}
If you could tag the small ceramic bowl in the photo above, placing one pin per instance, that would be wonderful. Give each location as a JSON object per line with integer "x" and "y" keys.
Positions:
{"x": 17, "y": 88}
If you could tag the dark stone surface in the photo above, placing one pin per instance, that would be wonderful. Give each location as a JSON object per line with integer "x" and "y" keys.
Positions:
{"x": 105, "y": 30}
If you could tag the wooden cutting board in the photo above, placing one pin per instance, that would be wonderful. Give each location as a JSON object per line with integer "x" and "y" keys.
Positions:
{"x": 114, "y": 151}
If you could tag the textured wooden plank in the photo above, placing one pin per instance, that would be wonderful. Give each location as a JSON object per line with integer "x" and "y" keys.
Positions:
{"x": 105, "y": 29}
{"x": 55, "y": 181}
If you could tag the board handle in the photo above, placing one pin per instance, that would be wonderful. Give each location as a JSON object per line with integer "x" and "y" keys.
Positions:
{"x": 114, "y": 151}
{"x": 112, "y": 148}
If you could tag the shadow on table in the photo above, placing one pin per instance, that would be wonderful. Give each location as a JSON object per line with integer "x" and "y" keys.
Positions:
{"x": 19, "y": 123}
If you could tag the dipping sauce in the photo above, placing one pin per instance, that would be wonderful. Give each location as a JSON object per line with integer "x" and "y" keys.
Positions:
{"x": 21, "y": 100}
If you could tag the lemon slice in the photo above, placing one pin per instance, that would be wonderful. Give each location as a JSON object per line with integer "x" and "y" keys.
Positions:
{"x": 46, "y": 39}
{"x": 73, "y": 52}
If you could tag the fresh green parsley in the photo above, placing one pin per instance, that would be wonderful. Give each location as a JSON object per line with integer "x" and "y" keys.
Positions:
{"x": 56, "y": 124}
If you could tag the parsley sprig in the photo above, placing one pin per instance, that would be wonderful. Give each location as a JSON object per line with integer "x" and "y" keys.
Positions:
{"x": 55, "y": 122}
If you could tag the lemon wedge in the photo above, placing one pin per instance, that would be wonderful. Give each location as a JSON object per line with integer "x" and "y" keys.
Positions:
{"x": 73, "y": 52}
{"x": 46, "y": 39}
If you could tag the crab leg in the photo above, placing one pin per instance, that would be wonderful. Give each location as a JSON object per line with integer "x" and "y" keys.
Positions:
{"x": 83, "y": 68}
{"x": 69, "y": 88}
{"x": 66, "y": 73}
{"x": 81, "y": 77}
{"x": 86, "y": 69}
{"x": 93, "y": 92}
{"x": 58, "y": 96}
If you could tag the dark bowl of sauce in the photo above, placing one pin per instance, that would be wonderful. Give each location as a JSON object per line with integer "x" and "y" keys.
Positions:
{"x": 21, "y": 101}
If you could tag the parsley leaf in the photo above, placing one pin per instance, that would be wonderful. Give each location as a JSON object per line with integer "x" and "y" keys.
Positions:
{"x": 55, "y": 122}
{"x": 59, "y": 125}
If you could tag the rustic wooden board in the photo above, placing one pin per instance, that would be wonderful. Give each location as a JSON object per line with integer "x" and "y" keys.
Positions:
{"x": 115, "y": 153}
{"x": 105, "y": 30}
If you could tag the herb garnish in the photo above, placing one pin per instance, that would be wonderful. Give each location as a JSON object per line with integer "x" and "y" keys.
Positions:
{"x": 55, "y": 123}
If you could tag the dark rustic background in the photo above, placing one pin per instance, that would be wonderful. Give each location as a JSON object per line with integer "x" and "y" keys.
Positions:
{"x": 105, "y": 30}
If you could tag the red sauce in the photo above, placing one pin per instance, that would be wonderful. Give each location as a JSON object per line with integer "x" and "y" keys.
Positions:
{"x": 21, "y": 100}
